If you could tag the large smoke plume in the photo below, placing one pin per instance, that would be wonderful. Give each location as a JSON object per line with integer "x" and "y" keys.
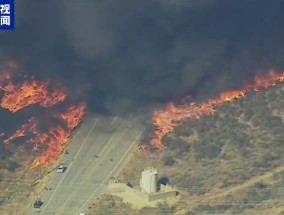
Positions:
{"x": 126, "y": 55}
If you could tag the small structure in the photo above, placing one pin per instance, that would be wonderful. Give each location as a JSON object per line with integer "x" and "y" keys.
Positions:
{"x": 148, "y": 182}
{"x": 147, "y": 193}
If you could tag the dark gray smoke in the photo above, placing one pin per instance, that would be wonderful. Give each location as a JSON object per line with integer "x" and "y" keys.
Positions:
{"x": 127, "y": 55}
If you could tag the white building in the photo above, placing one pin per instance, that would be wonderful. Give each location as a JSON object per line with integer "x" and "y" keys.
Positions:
{"x": 148, "y": 182}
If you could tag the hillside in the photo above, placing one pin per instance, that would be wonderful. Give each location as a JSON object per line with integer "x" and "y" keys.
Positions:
{"x": 228, "y": 163}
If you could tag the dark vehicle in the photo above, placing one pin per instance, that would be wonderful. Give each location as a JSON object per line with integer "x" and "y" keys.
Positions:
{"x": 38, "y": 204}
{"x": 129, "y": 184}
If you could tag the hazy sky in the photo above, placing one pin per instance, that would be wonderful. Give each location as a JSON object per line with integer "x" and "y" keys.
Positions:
{"x": 143, "y": 53}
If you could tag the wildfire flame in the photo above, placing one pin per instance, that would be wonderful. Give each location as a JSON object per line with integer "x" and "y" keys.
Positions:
{"x": 165, "y": 120}
{"x": 57, "y": 137}
{"x": 73, "y": 115}
{"x": 21, "y": 132}
{"x": 54, "y": 139}
{"x": 19, "y": 96}
{"x": 22, "y": 95}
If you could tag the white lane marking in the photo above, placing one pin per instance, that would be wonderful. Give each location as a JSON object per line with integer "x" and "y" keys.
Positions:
{"x": 45, "y": 206}
{"x": 110, "y": 140}
{"x": 100, "y": 154}
{"x": 107, "y": 177}
{"x": 115, "y": 118}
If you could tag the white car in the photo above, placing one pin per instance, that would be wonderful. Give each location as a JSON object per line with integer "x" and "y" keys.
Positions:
{"x": 61, "y": 169}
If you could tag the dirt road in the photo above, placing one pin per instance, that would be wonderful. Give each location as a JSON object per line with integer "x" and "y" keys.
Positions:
{"x": 220, "y": 195}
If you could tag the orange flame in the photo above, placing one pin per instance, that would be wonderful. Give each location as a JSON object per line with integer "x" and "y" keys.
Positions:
{"x": 20, "y": 96}
{"x": 165, "y": 120}
{"x": 21, "y": 132}
{"x": 57, "y": 136}
{"x": 55, "y": 139}
{"x": 73, "y": 115}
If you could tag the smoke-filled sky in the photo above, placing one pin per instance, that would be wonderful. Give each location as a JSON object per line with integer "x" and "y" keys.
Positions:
{"x": 123, "y": 54}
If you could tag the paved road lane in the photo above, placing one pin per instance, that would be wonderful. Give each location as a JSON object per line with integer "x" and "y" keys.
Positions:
{"x": 96, "y": 152}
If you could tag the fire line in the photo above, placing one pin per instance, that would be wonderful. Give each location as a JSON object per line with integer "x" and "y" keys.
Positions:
{"x": 165, "y": 120}
{"x": 19, "y": 96}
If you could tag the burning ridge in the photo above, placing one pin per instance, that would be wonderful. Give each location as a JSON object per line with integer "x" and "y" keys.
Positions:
{"x": 19, "y": 96}
{"x": 57, "y": 136}
{"x": 165, "y": 120}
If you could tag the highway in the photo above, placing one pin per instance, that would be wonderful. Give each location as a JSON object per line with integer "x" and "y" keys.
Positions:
{"x": 96, "y": 153}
